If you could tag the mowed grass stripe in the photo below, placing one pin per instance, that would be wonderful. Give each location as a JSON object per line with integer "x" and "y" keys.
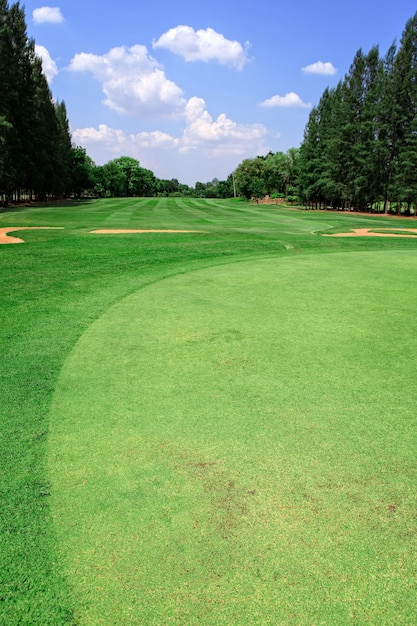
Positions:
{"x": 175, "y": 213}
{"x": 198, "y": 211}
{"x": 125, "y": 212}
{"x": 237, "y": 445}
{"x": 255, "y": 217}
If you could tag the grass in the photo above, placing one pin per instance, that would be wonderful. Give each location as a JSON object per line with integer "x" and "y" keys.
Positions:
{"x": 211, "y": 428}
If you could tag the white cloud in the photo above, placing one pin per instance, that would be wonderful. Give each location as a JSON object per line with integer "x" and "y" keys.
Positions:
{"x": 118, "y": 142}
{"x": 156, "y": 139}
{"x": 221, "y": 136}
{"x": 202, "y": 134}
{"x": 157, "y": 151}
{"x": 325, "y": 69}
{"x": 49, "y": 66}
{"x": 133, "y": 82}
{"x": 51, "y": 15}
{"x": 203, "y": 45}
{"x": 204, "y": 147}
{"x": 290, "y": 100}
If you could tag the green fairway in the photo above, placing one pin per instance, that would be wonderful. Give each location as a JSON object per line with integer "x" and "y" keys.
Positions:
{"x": 207, "y": 428}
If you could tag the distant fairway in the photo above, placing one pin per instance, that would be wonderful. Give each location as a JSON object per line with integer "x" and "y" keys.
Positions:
{"x": 208, "y": 428}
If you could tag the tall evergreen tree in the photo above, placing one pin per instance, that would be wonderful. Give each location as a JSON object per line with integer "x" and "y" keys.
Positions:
{"x": 16, "y": 96}
{"x": 404, "y": 87}
{"x": 320, "y": 153}
{"x": 43, "y": 148}
{"x": 386, "y": 128}
{"x": 64, "y": 150}
{"x": 361, "y": 98}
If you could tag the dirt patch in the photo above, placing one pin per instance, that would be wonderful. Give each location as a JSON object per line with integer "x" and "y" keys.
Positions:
{"x": 126, "y": 231}
{"x": 4, "y": 237}
{"x": 271, "y": 201}
{"x": 380, "y": 232}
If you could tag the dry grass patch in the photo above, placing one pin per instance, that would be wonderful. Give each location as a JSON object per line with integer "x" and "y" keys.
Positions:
{"x": 5, "y": 238}
{"x": 129, "y": 231}
{"x": 374, "y": 232}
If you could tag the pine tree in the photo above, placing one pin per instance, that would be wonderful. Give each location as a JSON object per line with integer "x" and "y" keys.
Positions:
{"x": 404, "y": 87}
{"x": 362, "y": 93}
{"x": 15, "y": 96}
{"x": 5, "y": 123}
{"x": 64, "y": 149}
{"x": 319, "y": 160}
{"x": 43, "y": 136}
{"x": 386, "y": 128}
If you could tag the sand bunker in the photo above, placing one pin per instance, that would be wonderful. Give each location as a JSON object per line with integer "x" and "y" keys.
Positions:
{"x": 4, "y": 238}
{"x": 377, "y": 232}
{"x": 126, "y": 231}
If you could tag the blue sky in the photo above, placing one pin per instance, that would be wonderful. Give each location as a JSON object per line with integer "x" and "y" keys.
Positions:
{"x": 192, "y": 89}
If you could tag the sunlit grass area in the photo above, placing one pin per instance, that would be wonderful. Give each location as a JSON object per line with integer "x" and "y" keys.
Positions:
{"x": 213, "y": 427}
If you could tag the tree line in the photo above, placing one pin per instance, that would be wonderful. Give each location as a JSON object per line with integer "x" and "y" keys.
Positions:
{"x": 125, "y": 177}
{"x": 275, "y": 174}
{"x": 360, "y": 144}
{"x": 37, "y": 157}
{"x": 359, "y": 150}
{"x": 35, "y": 143}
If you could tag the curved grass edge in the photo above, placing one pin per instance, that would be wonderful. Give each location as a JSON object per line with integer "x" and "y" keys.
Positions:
{"x": 168, "y": 448}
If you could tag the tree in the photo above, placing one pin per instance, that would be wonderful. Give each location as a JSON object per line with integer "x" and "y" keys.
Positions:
{"x": 387, "y": 143}
{"x": 319, "y": 162}
{"x": 213, "y": 189}
{"x": 5, "y": 128}
{"x": 44, "y": 173}
{"x": 145, "y": 183}
{"x": 225, "y": 188}
{"x": 404, "y": 87}
{"x": 274, "y": 172}
{"x": 168, "y": 187}
{"x": 250, "y": 177}
{"x": 63, "y": 149}
{"x": 130, "y": 169}
{"x": 82, "y": 166}
{"x": 281, "y": 171}
{"x": 362, "y": 96}
{"x": 16, "y": 104}
{"x": 113, "y": 179}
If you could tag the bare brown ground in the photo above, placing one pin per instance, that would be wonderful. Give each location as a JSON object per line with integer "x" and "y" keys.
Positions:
{"x": 373, "y": 232}
{"x": 125, "y": 231}
{"x": 4, "y": 238}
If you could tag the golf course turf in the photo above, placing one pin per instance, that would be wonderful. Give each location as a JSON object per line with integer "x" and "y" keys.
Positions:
{"x": 213, "y": 427}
